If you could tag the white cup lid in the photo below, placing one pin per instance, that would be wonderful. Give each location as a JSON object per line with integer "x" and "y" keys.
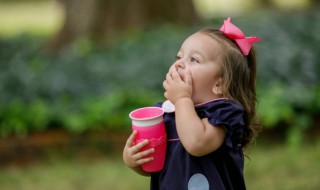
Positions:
{"x": 168, "y": 106}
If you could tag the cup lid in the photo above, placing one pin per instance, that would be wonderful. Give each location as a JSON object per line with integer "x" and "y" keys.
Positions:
{"x": 168, "y": 106}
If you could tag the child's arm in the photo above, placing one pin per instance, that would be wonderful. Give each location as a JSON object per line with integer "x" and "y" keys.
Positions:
{"x": 133, "y": 158}
{"x": 197, "y": 135}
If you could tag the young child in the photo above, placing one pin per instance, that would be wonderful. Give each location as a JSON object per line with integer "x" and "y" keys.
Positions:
{"x": 212, "y": 86}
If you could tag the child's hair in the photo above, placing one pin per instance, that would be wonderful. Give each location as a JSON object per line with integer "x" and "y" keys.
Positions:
{"x": 238, "y": 73}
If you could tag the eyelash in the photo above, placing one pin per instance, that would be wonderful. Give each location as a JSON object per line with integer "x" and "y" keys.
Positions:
{"x": 192, "y": 59}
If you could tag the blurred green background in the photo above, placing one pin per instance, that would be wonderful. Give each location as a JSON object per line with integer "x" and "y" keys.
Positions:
{"x": 71, "y": 71}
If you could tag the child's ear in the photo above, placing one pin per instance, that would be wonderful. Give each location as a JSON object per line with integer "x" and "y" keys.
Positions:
{"x": 217, "y": 88}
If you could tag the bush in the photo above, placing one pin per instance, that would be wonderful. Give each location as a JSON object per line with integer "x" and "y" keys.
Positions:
{"x": 87, "y": 86}
{"x": 289, "y": 71}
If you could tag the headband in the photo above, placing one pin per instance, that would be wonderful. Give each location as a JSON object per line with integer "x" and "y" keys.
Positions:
{"x": 234, "y": 33}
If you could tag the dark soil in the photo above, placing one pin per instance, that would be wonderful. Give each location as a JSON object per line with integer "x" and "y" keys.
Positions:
{"x": 57, "y": 143}
{"x": 46, "y": 145}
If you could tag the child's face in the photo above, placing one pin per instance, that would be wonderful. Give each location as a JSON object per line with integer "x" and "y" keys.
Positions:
{"x": 199, "y": 54}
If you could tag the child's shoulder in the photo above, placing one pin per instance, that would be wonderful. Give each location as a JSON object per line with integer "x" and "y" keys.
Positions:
{"x": 222, "y": 103}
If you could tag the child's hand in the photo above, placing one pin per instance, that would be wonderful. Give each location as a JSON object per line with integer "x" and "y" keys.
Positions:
{"x": 131, "y": 155}
{"x": 177, "y": 87}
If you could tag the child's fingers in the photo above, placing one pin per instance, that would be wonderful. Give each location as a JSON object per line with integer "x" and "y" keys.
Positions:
{"x": 142, "y": 154}
{"x": 175, "y": 75}
{"x": 130, "y": 140}
{"x": 140, "y": 145}
{"x": 172, "y": 73}
{"x": 144, "y": 160}
{"x": 188, "y": 78}
{"x": 173, "y": 67}
{"x": 165, "y": 84}
{"x": 168, "y": 77}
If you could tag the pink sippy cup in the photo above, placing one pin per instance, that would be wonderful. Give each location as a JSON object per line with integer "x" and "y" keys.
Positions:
{"x": 149, "y": 124}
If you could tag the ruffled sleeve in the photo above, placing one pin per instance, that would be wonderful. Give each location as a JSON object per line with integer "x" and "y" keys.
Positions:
{"x": 227, "y": 114}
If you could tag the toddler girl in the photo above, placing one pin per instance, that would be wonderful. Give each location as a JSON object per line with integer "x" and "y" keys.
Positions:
{"x": 212, "y": 86}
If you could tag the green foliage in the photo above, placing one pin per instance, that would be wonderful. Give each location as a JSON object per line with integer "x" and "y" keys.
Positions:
{"x": 107, "y": 111}
{"x": 85, "y": 86}
{"x": 88, "y": 86}
{"x": 289, "y": 71}
{"x": 20, "y": 118}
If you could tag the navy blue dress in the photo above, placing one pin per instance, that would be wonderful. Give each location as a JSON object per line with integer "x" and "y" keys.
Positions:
{"x": 221, "y": 169}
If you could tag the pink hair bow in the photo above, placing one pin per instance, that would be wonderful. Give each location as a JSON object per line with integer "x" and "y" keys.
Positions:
{"x": 234, "y": 33}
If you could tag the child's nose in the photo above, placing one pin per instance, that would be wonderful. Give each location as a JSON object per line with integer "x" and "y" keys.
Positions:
{"x": 180, "y": 64}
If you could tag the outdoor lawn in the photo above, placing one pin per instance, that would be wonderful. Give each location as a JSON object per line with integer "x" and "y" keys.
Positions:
{"x": 271, "y": 167}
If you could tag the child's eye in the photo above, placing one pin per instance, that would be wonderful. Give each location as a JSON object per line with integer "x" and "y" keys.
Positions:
{"x": 177, "y": 57}
{"x": 194, "y": 60}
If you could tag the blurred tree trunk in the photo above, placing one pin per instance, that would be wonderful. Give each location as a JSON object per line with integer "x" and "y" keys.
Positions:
{"x": 266, "y": 3}
{"x": 315, "y": 2}
{"x": 103, "y": 19}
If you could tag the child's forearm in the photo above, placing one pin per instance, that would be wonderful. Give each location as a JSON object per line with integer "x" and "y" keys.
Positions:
{"x": 197, "y": 135}
{"x": 189, "y": 126}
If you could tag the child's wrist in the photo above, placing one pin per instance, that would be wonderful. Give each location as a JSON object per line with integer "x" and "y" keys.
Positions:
{"x": 183, "y": 101}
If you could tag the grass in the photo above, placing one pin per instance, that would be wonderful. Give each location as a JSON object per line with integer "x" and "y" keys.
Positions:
{"x": 271, "y": 167}
{"x": 69, "y": 175}
{"x": 281, "y": 168}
